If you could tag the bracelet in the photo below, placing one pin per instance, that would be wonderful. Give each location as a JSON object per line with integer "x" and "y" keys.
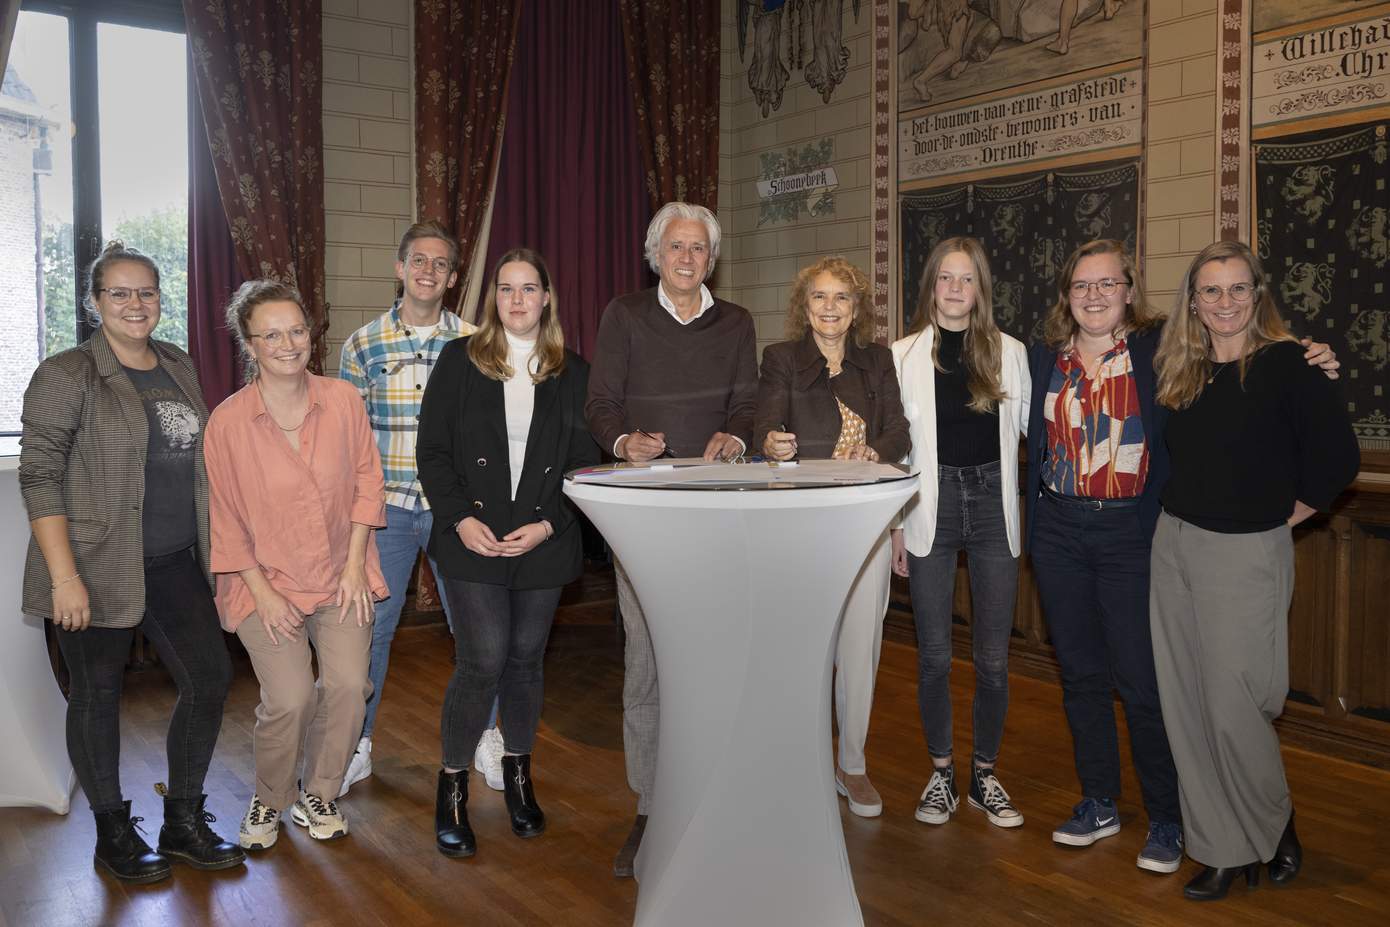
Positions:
{"x": 549, "y": 529}
{"x": 60, "y": 582}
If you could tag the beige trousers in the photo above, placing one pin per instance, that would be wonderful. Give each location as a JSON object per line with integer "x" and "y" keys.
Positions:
{"x": 300, "y": 718}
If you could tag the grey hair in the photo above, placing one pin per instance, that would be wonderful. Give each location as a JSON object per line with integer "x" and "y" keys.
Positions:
{"x": 670, "y": 213}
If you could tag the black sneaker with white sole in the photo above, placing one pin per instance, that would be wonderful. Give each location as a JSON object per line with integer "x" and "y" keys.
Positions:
{"x": 989, "y": 796}
{"x": 939, "y": 798}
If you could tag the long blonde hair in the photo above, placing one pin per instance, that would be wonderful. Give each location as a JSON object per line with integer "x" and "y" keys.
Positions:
{"x": 983, "y": 350}
{"x": 1183, "y": 361}
{"x": 1060, "y": 325}
{"x": 842, "y": 270}
{"x": 488, "y": 348}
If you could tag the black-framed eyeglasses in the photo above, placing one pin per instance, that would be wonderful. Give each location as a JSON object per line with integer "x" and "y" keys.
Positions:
{"x": 1107, "y": 287}
{"x": 120, "y": 295}
{"x": 1239, "y": 292}
{"x": 439, "y": 265}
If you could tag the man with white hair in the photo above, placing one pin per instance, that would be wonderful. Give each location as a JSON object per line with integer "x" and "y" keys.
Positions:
{"x": 674, "y": 371}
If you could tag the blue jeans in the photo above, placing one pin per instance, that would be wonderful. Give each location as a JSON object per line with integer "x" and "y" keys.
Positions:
{"x": 399, "y": 544}
{"x": 970, "y": 518}
{"x": 1092, "y": 570}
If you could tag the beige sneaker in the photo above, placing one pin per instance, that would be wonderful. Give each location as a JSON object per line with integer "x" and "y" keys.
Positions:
{"x": 324, "y": 820}
{"x": 863, "y": 798}
{"x": 260, "y": 828}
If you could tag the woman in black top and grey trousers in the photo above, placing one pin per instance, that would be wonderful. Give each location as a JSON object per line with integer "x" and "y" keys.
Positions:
{"x": 1258, "y": 442}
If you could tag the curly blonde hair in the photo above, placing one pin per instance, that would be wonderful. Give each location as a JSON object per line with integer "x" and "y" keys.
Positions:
{"x": 798, "y": 306}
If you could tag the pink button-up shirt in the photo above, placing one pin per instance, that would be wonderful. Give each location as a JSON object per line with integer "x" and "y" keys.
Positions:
{"x": 291, "y": 512}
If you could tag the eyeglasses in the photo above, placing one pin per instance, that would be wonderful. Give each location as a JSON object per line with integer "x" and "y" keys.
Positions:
{"x": 120, "y": 295}
{"x": 1239, "y": 292}
{"x": 440, "y": 266}
{"x": 299, "y": 334}
{"x": 1107, "y": 287}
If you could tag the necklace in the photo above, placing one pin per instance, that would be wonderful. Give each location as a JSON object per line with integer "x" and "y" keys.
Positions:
{"x": 302, "y": 418}
{"x": 1215, "y": 373}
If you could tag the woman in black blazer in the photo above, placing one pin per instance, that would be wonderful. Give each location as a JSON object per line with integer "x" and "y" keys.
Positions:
{"x": 501, "y": 422}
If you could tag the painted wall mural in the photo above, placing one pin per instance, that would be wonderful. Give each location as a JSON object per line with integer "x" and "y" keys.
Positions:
{"x": 985, "y": 84}
{"x": 1028, "y": 225}
{"x": 1323, "y": 230}
{"x": 809, "y": 32}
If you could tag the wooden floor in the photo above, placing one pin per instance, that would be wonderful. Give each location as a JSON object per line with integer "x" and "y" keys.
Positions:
{"x": 388, "y": 873}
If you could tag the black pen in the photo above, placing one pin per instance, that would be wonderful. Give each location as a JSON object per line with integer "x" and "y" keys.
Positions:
{"x": 665, "y": 451}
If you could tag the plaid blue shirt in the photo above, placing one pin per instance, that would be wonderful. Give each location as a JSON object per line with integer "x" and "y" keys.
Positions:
{"x": 389, "y": 368}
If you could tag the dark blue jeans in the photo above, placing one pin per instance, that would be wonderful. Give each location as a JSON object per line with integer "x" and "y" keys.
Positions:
{"x": 499, "y": 644}
{"x": 970, "y": 518}
{"x": 1092, "y": 569}
{"x": 181, "y": 622}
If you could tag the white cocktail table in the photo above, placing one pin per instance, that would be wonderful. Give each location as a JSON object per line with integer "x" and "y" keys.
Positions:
{"x": 742, "y": 592}
{"x": 34, "y": 766}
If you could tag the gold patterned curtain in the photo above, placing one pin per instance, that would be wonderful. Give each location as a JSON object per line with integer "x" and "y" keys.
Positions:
{"x": 673, "y": 74}
{"x": 463, "y": 58}
{"x": 258, "y": 66}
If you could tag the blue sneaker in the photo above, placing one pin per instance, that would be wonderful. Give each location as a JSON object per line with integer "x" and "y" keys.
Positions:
{"x": 1091, "y": 820}
{"x": 1163, "y": 850}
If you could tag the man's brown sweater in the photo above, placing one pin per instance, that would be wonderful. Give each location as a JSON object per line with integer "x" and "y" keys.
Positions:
{"x": 688, "y": 381}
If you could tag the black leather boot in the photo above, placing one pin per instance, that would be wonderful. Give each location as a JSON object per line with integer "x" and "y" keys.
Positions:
{"x": 528, "y": 820}
{"x": 1212, "y": 883}
{"x": 121, "y": 850}
{"x": 1288, "y": 856}
{"x": 452, "y": 835}
{"x": 187, "y": 838}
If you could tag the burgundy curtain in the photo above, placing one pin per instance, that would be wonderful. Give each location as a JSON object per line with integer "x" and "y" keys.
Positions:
{"x": 673, "y": 72}
{"x": 258, "y": 69}
{"x": 569, "y": 183}
{"x": 212, "y": 266}
{"x": 463, "y": 56}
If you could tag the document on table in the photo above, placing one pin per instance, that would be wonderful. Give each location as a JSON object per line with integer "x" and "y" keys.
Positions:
{"x": 697, "y": 472}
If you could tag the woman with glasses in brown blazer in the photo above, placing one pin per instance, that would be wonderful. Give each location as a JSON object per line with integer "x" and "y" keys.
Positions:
{"x": 112, "y": 476}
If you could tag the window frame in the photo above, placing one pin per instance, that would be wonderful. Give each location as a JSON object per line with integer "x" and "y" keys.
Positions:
{"x": 83, "y": 17}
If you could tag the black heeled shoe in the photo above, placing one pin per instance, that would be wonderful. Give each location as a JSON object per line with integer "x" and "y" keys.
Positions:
{"x": 1212, "y": 883}
{"x": 528, "y": 820}
{"x": 452, "y": 835}
{"x": 1288, "y": 856}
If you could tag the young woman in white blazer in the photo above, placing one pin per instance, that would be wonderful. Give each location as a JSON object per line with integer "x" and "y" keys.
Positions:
{"x": 965, "y": 391}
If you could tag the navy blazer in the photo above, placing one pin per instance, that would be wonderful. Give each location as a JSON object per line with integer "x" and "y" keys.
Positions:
{"x": 462, "y": 454}
{"x": 1142, "y": 347}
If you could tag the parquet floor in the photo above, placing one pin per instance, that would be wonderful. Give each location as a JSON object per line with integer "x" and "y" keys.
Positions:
{"x": 388, "y": 873}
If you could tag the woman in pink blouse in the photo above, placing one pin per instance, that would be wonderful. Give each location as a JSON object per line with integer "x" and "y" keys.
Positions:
{"x": 295, "y": 489}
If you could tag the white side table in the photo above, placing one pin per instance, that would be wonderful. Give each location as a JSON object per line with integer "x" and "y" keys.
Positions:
{"x": 34, "y": 766}
{"x": 743, "y": 591}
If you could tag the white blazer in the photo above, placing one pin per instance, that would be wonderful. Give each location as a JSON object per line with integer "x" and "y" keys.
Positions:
{"x": 917, "y": 378}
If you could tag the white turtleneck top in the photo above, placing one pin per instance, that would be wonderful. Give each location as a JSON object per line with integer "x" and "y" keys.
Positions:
{"x": 519, "y": 397}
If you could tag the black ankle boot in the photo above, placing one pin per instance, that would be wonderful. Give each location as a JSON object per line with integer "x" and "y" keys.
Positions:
{"x": 187, "y": 838}
{"x": 452, "y": 835}
{"x": 528, "y": 820}
{"x": 121, "y": 850}
{"x": 1288, "y": 856}
{"x": 1212, "y": 883}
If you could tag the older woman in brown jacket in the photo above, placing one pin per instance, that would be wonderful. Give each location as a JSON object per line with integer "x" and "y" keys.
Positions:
{"x": 112, "y": 476}
{"x": 830, "y": 391}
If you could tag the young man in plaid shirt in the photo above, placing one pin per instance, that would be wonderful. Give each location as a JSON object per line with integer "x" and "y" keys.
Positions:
{"x": 389, "y": 361}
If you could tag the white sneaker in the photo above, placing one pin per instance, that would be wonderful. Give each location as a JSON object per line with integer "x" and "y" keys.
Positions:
{"x": 487, "y": 758}
{"x": 260, "y": 827}
{"x": 360, "y": 767}
{"x": 324, "y": 820}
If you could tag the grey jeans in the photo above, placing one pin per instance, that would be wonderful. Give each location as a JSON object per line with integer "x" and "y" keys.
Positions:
{"x": 641, "y": 698}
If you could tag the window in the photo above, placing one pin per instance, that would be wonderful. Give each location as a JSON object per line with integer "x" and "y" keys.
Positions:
{"x": 93, "y": 146}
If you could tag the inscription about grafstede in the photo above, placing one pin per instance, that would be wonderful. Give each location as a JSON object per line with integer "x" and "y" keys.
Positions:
{"x": 1091, "y": 114}
{"x": 1325, "y": 69}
